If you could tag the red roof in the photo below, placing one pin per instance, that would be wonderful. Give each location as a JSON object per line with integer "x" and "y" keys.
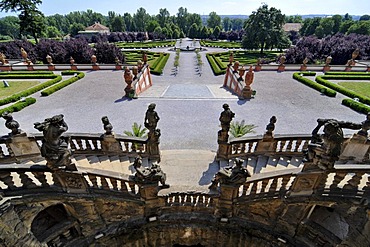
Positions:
{"x": 97, "y": 27}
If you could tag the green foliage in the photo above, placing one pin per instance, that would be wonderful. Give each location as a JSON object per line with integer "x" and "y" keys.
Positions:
{"x": 239, "y": 129}
{"x": 15, "y": 87}
{"x": 299, "y": 76}
{"x": 361, "y": 87}
{"x": 137, "y": 131}
{"x": 162, "y": 60}
{"x": 215, "y": 68}
{"x": 19, "y": 105}
{"x": 145, "y": 45}
{"x": 324, "y": 81}
{"x": 214, "y": 20}
{"x": 53, "y": 89}
{"x": 25, "y": 93}
{"x": 263, "y": 28}
{"x": 356, "y": 106}
{"x": 221, "y": 44}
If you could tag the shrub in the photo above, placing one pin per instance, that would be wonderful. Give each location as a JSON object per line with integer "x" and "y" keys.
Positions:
{"x": 32, "y": 90}
{"x": 327, "y": 91}
{"x": 215, "y": 68}
{"x": 18, "y": 106}
{"x": 56, "y": 49}
{"x": 106, "y": 53}
{"x": 356, "y": 106}
{"x": 158, "y": 69}
{"x": 322, "y": 80}
{"x": 53, "y": 89}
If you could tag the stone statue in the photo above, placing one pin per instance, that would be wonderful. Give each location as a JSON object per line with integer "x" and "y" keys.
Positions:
{"x": 3, "y": 60}
{"x": 145, "y": 57}
{"x": 93, "y": 59}
{"x": 153, "y": 143}
{"x": 241, "y": 73}
{"x": 49, "y": 59}
{"x": 24, "y": 54}
{"x": 325, "y": 149}
{"x": 305, "y": 61}
{"x": 151, "y": 175}
{"x": 231, "y": 58}
{"x": 365, "y": 126}
{"x": 54, "y": 146}
{"x": 328, "y": 60}
{"x": 128, "y": 76}
{"x": 151, "y": 118}
{"x": 11, "y": 124}
{"x": 282, "y": 60}
{"x": 71, "y": 60}
{"x": 235, "y": 175}
{"x": 236, "y": 66}
{"x": 226, "y": 117}
{"x": 271, "y": 126}
{"x": 107, "y": 126}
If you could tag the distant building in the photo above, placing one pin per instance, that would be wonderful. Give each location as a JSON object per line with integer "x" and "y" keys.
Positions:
{"x": 95, "y": 29}
{"x": 292, "y": 27}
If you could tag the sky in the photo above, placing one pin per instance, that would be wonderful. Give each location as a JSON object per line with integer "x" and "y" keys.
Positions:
{"x": 204, "y": 7}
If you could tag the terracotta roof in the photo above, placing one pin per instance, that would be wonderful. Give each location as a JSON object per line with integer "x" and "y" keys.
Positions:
{"x": 292, "y": 27}
{"x": 97, "y": 27}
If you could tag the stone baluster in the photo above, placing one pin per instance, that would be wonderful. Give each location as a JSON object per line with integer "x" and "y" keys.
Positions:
{"x": 7, "y": 179}
{"x": 273, "y": 186}
{"x": 339, "y": 176}
{"x": 297, "y": 145}
{"x": 289, "y": 146}
{"x": 89, "y": 147}
{"x": 354, "y": 182}
{"x": 284, "y": 182}
{"x": 79, "y": 144}
{"x": 124, "y": 186}
{"x": 264, "y": 185}
{"x": 104, "y": 183}
{"x": 93, "y": 180}
{"x": 114, "y": 183}
{"x": 27, "y": 183}
{"x": 41, "y": 177}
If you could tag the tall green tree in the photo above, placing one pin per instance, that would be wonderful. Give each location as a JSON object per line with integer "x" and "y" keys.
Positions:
{"x": 31, "y": 20}
{"x": 213, "y": 20}
{"x": 226, "y": 23}
{"x": 129, "y": 22}
{"x": 9, "y": 26}
{"x": 263, "y": 28}
{"x": 181, "y": 19}
{"x": 163, "y": 17}
{"x": 141, "y": 17}
{"x": 237, "y": 24}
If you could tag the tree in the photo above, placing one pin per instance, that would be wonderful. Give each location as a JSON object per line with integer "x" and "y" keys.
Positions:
{"x": 237, "y": 24}
{"x": 75, "y": 28}
{"x": 345, "y": 25}
{"x": 360, "y": 27}
{"x": 325, "y": 28}
{"x": 140, "y": 19}
{"x": 263, "y": 28}
{"x": 9, "y": 26}
{"x": 31, "y": 20}
{"x": 216, "y": 32}
{"x": 52, "y": 32}
{"x": 181, "y": 19}
{"x": 163, "y": 17}
{"x": 214, "y": 20}
{"x": 129, "y": 22}
{"x": 137, "y": 131}
{"x": 364, "y": 18}
{"x": 226, "y": 23}
{"x": 151, "y": 26}
{"x": 337, "y": 22}
{"x": 193, "y": 31}
{"x": 117, "y": 24}
{"x": 194, "y": 18}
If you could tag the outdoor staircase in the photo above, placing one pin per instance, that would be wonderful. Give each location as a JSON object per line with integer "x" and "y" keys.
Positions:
{"x": 266, "y": 163}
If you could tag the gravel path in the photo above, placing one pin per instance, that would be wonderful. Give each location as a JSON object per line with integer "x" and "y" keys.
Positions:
{"x": 188, "y": 104}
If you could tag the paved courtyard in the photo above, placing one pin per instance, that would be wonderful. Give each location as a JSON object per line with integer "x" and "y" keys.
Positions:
{"x": 189, "y": 102}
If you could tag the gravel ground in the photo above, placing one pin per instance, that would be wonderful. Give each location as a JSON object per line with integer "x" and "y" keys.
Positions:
{"x": 188, "y": 104}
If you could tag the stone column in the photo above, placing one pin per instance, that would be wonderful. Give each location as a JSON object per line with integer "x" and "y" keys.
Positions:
{"x": 268, "y": 143}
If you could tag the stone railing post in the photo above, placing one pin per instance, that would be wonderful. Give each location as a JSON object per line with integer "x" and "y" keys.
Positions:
{"x": 109, "y": 143}
{"x": 71, "y": 182}
{"x": 228, "y": 195}
{"x": 224, "y": 147}
{"x": 149, "y": 193}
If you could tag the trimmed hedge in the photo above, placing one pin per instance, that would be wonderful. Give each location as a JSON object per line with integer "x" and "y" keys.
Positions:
{"x": 53, "y": 89}
{"x": 18, "y": 106}
{"x": 322, "y": 80}
{"x": 25, "y": 72}
{"x": 356, "y": 106}
{"x": 159, "y": 64}
{"x": 215, "y": 68}
{"x": 346, "y": 73}
{"x": 299, "y": 77}
{"x": 32, "y": 90}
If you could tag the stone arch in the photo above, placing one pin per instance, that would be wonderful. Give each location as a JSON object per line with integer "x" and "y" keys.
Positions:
{"x": 56, "y": 225}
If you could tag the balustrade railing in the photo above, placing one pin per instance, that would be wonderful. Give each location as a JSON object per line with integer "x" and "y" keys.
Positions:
{"x": 286, "y": 144}
{"x": 191, "y": 199}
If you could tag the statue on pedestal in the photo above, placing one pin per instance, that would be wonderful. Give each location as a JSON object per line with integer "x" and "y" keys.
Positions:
{"x": 11, "y": 124}
{"x": 236, "y": 66}
{"x": 271, "y": 126}
{"x": 107, "y": 126}
{"x": 365, "y": 126}
{"x": 49, "y": 59}
{"x": 235, "y": 175}
{"x": 54, "y": 146}
{"x": 226, "y": 117}
{"x": 128, "y": 77}
{"x": 3, "y": 60}
{"x": 151, "y": 175}
{"x": 151, "y": 118}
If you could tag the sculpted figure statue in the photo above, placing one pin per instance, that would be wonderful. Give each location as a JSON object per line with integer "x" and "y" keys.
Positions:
{"x": 11, "y": 124}
{"x": 54, "y": 147}
{"x": 235, "y": 175}
{"x": 226, "y": 117}
{"x": 249, "y": 77}
{"x": 151, "y": 118}
{"x": 24, "y": 54}
{"x": 271, "y": 126}
{"x": 107, "y": 125}
{"x": 3, "y": 59}
{"x": 365, "y": 126}
{"x": 150, "y": 175}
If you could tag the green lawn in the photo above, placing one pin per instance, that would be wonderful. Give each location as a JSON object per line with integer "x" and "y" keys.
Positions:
{"x": 15, "y": 87}
{"x": 360, "y": 87}
{"x": 222, "y": 44}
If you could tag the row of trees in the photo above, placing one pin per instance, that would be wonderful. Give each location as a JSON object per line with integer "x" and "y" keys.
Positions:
{"x": 61, "y": 52}
{"x": 33, "y": 23}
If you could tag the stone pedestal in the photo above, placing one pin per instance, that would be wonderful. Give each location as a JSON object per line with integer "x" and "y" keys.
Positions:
{"x": 95, "y": 67}
{"x": 305, "y": 183}
{"x": 30, "y": 68}
{"x": 73, "y": 67}
{"x": 303, "y": 67}
{"x": 258, "y": 68}
{"x": 5, "y": 68}
{"x": 267, "y": 144}
{"x": 368, "y": 69}
{"x": 23, "y": 147}
{"x": 72, "y": 182}
{"x": 118, "y": 67}
{"x": 51, "y": 67}
{"x": 228, "y": 193}
{"x": 109, "y": 144}
{"x": 149, "y": 193}
{"x": 356, "y": 149}
{"x": 247, "y": 93}
{"x": 348, "y": 68}
{"x": 281, "y": 68}
{"x": 326, "y": 68}
{"x": 223, "y": 150}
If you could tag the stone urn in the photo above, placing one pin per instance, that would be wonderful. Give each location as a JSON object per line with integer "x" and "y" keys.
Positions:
{"x": 135, "y": 71}
{"x": 241, "y": 73}
{"x": 145, "y": 58}
{"x": 93, "y": 59}
{"x": 49, "y": 59}
{"x": 327, "y": 63}
{"x": 139, "y": 65}
{"x": 231, "y": 58}
{"x": 71, "y": 61}
{"x": 236, "y": 66}
{"x": 304, "y": 64}
{"x": 128, "y": 77}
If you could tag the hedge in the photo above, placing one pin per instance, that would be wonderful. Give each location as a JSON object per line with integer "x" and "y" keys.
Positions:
{"x": 25, "y": 72}
{"x": 346, "y": 73}
{"x": 32, "y": 90}
{"x": 322, "y": 80}
{"x": 356, "y": 106}
{"x": 220, "y": 64}
{"x": 19, "y": 105}
{"x": 53, "y": 89}
{"x": 215, "y": 68}
{"x": 158, "y": 69}
{"x": 299, "y": 77}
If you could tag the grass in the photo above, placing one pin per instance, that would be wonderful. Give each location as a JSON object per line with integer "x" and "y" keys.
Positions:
{"x": 358, "y": 87}
{"x": 15, "y": 87}
{"x": 222, "y": 44}
{"x": 145, "y": 45}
